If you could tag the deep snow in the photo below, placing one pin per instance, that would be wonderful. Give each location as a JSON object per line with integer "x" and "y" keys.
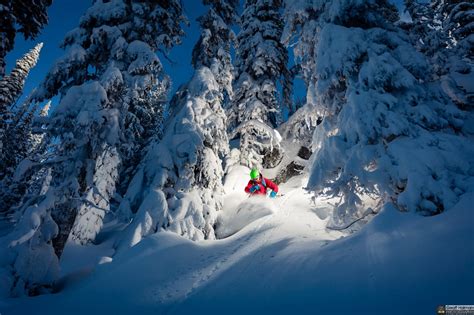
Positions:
{"x": 282, "y": 261}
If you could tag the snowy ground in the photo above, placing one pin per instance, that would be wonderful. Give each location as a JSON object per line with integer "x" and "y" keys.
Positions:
{"x": 278, "y": 258}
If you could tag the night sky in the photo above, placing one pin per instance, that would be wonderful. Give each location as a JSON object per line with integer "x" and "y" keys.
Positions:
{"x": 64, "y": 15}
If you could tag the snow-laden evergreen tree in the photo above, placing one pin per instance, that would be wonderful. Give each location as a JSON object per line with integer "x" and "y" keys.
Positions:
{"x": 440, "y": 30}
{"x": 26, "y": 17}
{"x": 109, "y": 70}
{"x": 178, "y": 186}
{"x": 457, "y": 19}
{"x": 31, "y": 264}
{"x": 24, "y": 133}
{"x": 11, "y": 88}
{"x": 15, "y": 129}
{"x": 35, "y": 139}
{"x": 387, "y": 134}
{"x": 261, "y": 64}
{"x": 32, "y": 176}
{"x": 299, "y": 34}
{"x": 31, "y": 148}
{"x": 425, "y": 27}
{"x": 28, "y": 146}
{"x": 213, "y": 48}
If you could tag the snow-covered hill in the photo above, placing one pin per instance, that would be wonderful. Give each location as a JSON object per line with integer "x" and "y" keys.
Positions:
{"x": 279, "y": 259}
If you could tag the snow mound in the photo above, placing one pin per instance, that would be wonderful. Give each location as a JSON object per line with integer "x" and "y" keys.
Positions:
{"x": 238, "y": 216}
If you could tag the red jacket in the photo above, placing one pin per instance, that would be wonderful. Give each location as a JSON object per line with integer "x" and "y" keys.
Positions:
{"x": 262, "y": 187}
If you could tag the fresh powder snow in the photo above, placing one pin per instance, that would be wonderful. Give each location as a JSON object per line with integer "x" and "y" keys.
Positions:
{"x": 277, "y": 256}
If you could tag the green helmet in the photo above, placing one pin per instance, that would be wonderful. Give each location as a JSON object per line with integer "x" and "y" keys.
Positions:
{"x": 254, "y": 174}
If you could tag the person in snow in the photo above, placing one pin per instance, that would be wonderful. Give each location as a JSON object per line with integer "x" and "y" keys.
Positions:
{"x": 258, "y": 185}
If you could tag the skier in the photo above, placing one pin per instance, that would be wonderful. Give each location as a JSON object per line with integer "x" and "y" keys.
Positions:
{"x": 258, "y": 185}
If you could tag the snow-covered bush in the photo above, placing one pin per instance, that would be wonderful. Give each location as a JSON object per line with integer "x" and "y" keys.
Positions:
{"x": 301, "y": 125}
{"x": 35, "y": 264}
{"x": 258, "y": 142}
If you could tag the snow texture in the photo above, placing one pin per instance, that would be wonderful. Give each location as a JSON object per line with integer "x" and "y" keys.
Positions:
{"x": 286, "y": 262}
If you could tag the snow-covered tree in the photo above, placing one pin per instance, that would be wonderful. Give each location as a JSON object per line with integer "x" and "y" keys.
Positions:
{"x": 15, "y": 130}
{"x": 121, "y": 99}
{"x": 19, "y": 138}
{"x": 386, "y": 135}
{"x": 457, "y": 20}
{"x": 32, "y": 263}
{"x": 440, "y": 30}
{"x": 299, "y": 34}
{"x": 178, "y": 186}
{"x": 213, "y": 47}
{"x": 109, "y": 69}
{"x": 31, "y": 148}
{"x": 425, "y": 26}
{"x": 11, "y": 87}
{"x": 301, "y": 125}
{"x": 261, "y": 64}
{"x": 26, "y": 17}
{"x": 36, "y": 138}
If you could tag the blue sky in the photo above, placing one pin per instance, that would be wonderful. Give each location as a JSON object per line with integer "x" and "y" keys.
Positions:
{"x": 64, "y": 15}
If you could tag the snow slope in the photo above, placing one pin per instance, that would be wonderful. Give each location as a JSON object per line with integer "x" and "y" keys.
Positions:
{"x": 283, "y": 262}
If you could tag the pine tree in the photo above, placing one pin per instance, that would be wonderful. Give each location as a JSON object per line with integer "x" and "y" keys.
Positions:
{"x": 458, "y": 21}
{"x": 109, "y": 68}
{"x": 440, "y": 30}
{"x": 178, "y": 186}
{"x": 383, "y": 122}
{"x": 261, "y": 63}
{"x": 11, "y": 87}
{"x": 36, "y": 138}
{"x": 29, "y": 177}
{"x": 299, "y": 33}
{"x": 15, "y": 128}
{"x": 425, "y": 31}
{"x": 213, "y": 47}
{"x": 26, "y": 17}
